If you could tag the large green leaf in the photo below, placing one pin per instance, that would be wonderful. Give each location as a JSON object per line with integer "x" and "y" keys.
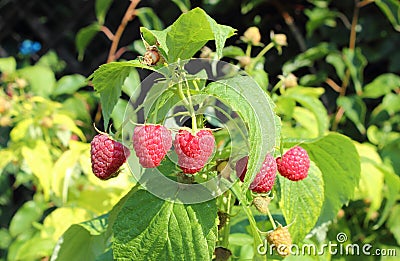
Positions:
{"x": 108, "y": 80}
{"x": 84, "y": 241}
{"x": 149, "y": 228}
{"x": 301, "y": 202}
{"x": 188, "y": 34}
{"x": 255, "y": 107}
{"x": 382, "y": 85}
{"x": 339, "y": 162}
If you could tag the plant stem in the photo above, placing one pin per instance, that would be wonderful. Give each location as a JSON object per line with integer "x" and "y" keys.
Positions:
{"x": 253, "y": 225}
{"x": 129, "y": 15}
{"x": 346, "y": 80}
{"x": 227, "y": 226}
{"x": 263, "y": 52}
{"x": 271, "y": 219}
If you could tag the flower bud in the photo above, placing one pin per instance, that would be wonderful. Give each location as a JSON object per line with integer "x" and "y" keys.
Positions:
{"x": 289, "y": 81}
{"x": 252, "y": 35}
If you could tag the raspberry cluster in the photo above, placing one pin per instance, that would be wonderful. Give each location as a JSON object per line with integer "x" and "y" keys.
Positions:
{"x": 293, "y": 165}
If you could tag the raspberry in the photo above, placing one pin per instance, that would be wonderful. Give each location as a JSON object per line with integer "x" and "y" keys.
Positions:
{"x": 265, "y": 178}
{"x": 193, "y": 150}
{"x": 294, "y": 164}
{"x": 261, "y": 204}
{"x": 280, "y": 240}
{"x": 107, "y": 156}
{"x": 151, "y": 143}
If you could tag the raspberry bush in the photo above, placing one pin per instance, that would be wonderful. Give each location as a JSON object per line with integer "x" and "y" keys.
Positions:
{"x": 202, "y": 140}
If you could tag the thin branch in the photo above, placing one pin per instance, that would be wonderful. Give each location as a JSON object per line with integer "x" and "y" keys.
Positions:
{"x": 333, "y": 85}
{"x": 120, "y": 52}
{"x": 107, "y": 32}
{"x": 346, "y": 80}
{"x": 129, "y": 15}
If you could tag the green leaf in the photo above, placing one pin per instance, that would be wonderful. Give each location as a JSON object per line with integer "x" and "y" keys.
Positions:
{"x": 40, "y": 78}
{"x": 382, "y": 85}
{"x": 108, "y": 80}
{"x": 62, "y": 173}
{"x": 339, "y": 162}
{"x": 6, "y": 155}
{"x": 261, "y": 77}
{"x": 318, "y": 17}
{"x": 336, "y": 59}
{"x": 34, "y": 249}
{"x": 372, "y": 178}
{"x": 307, "y": 58}
{"x": 58, "y": 221}
{"x": 40, "y": 163}
{"x": 8, "y": 65}
{"x": 184, "y": 5}
{"x": 188, "y": 34}
{"x": 355, "y": 62}
{"x": 149, "y": 19}
{"x": 101, "y": 8}
{"x": 301, "y": 202}
{"x": 84, "y": 37}
{"x": 392, "y": 182}
{"x": 308, "y": 98}
{"x": 149, "y": 228}
{"x": 391, "y": 8}
{"x": 131, "y": 84}
{"x": 232, "y": 52}
{"x": 69, "y": 84}
{"x": 255, "y": 107}
{"x": 393, "y": 223}
{"x": 5, "y": 238}
{"x": 354, "y": 109}
{"x": 118, "y": 114}
{"x": 84, "y": 241}
{"x": 26, "y": 215}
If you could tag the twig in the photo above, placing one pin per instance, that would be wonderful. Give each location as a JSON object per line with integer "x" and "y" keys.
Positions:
{"x": 346, "y": 80}
{"x": 107, "y": 32}
{"x": 120, "y": 52}
{"x": 129, "y": 15}
{"x": 333, "y": 85}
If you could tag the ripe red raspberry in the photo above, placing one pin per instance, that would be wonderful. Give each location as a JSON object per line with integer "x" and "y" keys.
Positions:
{"x": 294, "y": 164}
{"x": 107, "y": 156}
{"x": 265, "y": 178}
{"x": 193, "y": 150}
{"x": 280, "y": 240}
{"x": 151, "y": 143}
